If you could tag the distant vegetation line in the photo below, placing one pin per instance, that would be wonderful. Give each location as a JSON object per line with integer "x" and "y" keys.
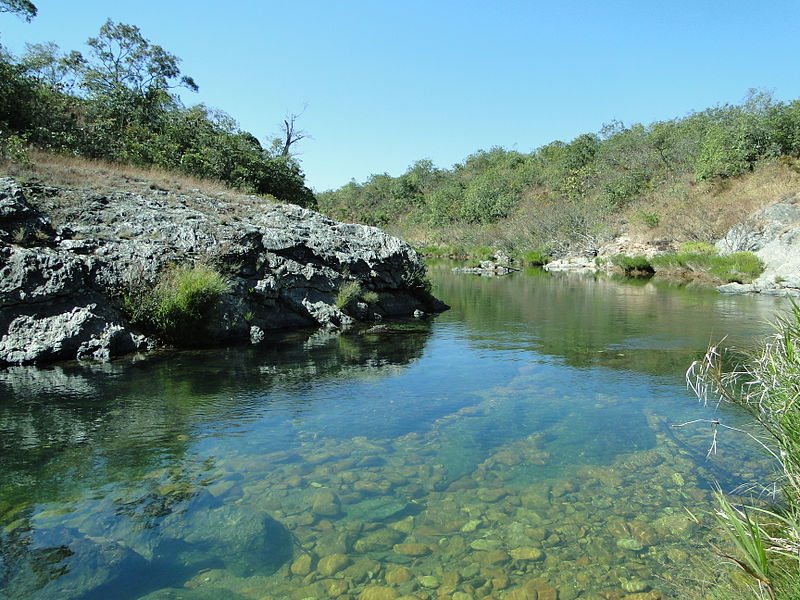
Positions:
{"x": 116, "y": 101}
{"x": 573, "y": 196}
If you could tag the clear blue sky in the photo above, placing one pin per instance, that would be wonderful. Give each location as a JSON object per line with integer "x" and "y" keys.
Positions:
{"x": 388, "y": 83}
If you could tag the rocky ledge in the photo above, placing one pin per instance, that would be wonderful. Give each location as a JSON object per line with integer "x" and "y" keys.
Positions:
{"x": 68, "y": 256}
{"x": 772, "y": 234}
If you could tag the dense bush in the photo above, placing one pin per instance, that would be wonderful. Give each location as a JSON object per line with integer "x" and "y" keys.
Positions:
{"x": 567, "y": 195}
{"x": 536, "y": 258}
{"x": 739, "y": 267}
{"x": 117, "y": 103}
{"x": 175, "y": 308}
{"x": 632, "y": 265}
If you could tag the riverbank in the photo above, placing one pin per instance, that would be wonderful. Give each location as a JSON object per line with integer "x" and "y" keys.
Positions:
{"x": 93, "y": 273}
{"x": 760, "y": 254}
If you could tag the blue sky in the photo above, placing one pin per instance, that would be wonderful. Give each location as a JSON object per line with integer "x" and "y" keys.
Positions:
{"x": 387, "y": 83}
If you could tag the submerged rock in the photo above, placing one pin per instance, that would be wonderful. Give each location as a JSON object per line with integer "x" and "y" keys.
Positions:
{"x": 240, "y": 539}
{"x": 62, "y": 563}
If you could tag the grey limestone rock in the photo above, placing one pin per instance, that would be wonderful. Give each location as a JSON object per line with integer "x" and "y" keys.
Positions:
{"x": 773, "y": 234}
{"x": 60, "y": 298}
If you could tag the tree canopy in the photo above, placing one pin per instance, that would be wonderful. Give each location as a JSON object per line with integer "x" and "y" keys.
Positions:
{"x": 21, "y": 8}
{"x": 118, "y": 101}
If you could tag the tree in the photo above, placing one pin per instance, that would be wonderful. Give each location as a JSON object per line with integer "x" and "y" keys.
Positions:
{"x": 123, "y": 59}
{"x": 22, "y": 8}
{"x": 49, "y": 66}
{"x": 289, "y": 135}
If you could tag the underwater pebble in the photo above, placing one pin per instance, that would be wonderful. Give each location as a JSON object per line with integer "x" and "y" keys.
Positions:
{"x": 527, "y": 553}
{"x": 471, "y": 525}
{"x": 332, "y": 564}
{"x": 635, "y": 585}
{"x": 302, "y": 565}
{"x": 378, "y": 592}
{"x": 398, "y": 575}
{"x": 484, "y": 544}
{"x": 630, "y": 544}
{"x": 428, "y": 581}
{"x": 411, "y": 549}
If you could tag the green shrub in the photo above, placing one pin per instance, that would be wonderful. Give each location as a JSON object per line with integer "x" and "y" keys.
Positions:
{"x": 698, "y": 248}
{"x": 650, "y": 219}
{"x": 370, "y": 297}
{"x": 481, "y": 252}
{"x": 632, "y": 264}
{"x": 348, "y": 291}
{"x": 536, "y": 258}
{"x": 14, "y": 148}
{"x": 176, "y": 307}
{"x": 740, "y": 267}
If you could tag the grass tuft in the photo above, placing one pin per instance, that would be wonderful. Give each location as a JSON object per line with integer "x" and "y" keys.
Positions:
{"x": 632, "y": 265}
{"x": 176, "y": 307}
{"x": 348, "y": 291}
{"x": 766, "y": 383}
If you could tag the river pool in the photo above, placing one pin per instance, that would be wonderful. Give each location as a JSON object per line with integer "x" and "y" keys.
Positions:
{"x": 517, "y": 446}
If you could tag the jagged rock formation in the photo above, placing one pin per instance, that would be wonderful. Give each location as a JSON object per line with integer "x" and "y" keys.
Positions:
{"x": 772, "y": 234}
{"x": 60, "y": 287}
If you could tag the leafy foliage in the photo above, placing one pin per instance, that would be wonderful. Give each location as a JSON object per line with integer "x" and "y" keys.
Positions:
{"x": 23, "y": 8}
{"x": 739, "y": 267}
{"x": 567, "y": 196}
{"x": 118, "y": 102}
{"x": 632, "y": 264}
{"x": 348, "y": 292}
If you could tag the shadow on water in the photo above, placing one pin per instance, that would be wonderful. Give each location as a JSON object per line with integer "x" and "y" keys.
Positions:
{"x": 126, "y": 429}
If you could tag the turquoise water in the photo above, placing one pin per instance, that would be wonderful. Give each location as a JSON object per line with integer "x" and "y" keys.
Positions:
{"x": 521, "y": 441}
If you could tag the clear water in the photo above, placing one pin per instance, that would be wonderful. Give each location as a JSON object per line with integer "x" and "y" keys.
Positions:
{"x": 521, "y": 441}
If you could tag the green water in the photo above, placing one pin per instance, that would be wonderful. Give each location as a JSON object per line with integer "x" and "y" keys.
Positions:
{"x": 521, "y": 441}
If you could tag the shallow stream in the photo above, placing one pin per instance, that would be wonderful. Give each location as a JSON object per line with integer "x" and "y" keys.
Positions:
{"x": 518, "y": 446}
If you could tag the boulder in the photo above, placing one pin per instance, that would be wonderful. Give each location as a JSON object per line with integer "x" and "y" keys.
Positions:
{"x": 286, "y": 266}
{"x": 61, "y": 563}
{"x": 772, "y": 234}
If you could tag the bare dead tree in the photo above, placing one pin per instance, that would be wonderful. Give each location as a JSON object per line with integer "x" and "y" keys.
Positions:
{"x": 290, "y": 134}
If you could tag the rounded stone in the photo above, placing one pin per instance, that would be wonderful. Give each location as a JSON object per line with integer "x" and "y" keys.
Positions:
{"x": 412, "y": 549}
{"x": 630, "y": 544}
{"x": 527, "y": 553}
{"x": 378, "y": 592}
{"x": 398, "y": 575}
{"x": 428, "y": 581}
{"x": 332, "y": 564}
{"x": 325, "y": 504}
{"x": 302, "y": 565}
{"x": 495, "y": 557}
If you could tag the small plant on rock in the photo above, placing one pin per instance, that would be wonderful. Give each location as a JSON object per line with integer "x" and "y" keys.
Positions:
{"x": 370, "y": 297}
{"x": 348, "y": 291}
{"x": 175, "y": 308}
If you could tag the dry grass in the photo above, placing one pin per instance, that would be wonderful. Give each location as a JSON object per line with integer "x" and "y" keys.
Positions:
{"x": 703, "y": 212}
{"x": 74, "y": 172}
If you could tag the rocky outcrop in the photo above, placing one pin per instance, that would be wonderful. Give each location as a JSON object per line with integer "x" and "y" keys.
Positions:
{"x": 60, "y": 287}
{"x": 499, "y": 265}
{"x": 599, "y": 259}
{"x": 773, "y": 234}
